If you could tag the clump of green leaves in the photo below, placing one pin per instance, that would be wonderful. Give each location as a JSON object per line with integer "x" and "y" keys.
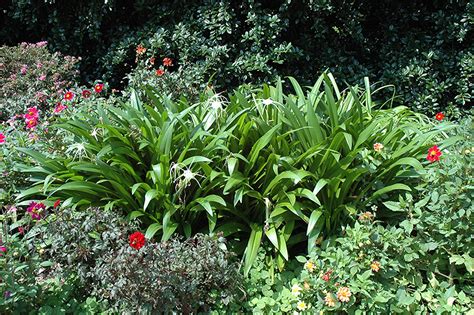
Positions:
{"x": 260, "y": 164}
{"x": 183, "y": 276}
{"x": 440, "y": 212}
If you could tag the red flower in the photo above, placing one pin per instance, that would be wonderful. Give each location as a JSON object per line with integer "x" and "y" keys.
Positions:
{"x": 31, "y": 124}
{"x": 86, "y": 93}
{"x": 98, "y": 87}
{"x": 57, "y": 203}
{"x": 36, "y": 210}
{"x": 167, "y": 62}
{"x": 59, "y": 108}
{"x": 137, "y": 240}
{"x": 32, "y": 113}
{"x": 68, "y": 96}
{"x": 327, "y": 275}
{"x": 439, "y": 116}
{"x": 160, "y": 72}
{"x": 433, "y": 154}
{"x": 2, "y": 138}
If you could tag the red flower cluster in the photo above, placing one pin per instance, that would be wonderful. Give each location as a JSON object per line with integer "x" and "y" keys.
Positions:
{"x": 137, "y": 240}
{"x": 439, "y": 116}
{"x": 2, "y": 138}
{"x": 433, "y": 154}
{"x": 68, "y": 96}
{"x": 36, "y": 209}
{"x": 31, "y": 118}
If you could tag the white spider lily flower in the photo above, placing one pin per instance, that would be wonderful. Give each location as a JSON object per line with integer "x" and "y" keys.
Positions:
{"x": 267, "y": 101}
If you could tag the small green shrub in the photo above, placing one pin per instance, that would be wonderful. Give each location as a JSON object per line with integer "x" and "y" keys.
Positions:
{"x": 175, "y": 275}
{"x": 375, "y": 269}
{"x": 32, "y": 76}
{"x": 27, "y": 278}
{"x": 440, "y": 212}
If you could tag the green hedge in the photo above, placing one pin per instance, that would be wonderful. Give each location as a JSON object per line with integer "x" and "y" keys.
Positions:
{"x": 422, "y": 47}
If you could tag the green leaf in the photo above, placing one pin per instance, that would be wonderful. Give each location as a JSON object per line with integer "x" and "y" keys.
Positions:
{"x": 152, "y": 229}
{"x": 252, "y": 248}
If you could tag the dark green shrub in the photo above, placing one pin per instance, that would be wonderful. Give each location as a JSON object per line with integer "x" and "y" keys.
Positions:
{"x": 423, "y": 48}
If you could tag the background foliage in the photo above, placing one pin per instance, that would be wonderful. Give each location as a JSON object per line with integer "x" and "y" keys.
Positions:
{"x": 423, "y": 48}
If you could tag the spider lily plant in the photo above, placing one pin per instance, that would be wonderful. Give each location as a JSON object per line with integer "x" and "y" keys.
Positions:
{"x": 260, "y": 165}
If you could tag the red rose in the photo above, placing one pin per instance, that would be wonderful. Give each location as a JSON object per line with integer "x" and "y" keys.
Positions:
{"x": 137, "y": 240}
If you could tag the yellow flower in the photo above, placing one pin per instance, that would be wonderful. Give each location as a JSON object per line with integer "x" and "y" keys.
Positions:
{"x": 344, "y": 294}
{"x": 330, "y": 300}
{"x": 301, "y": 306}
{"x": 375, "y": 266}
{"x": 309, "y": 265}
{"x": 296, "y": 289}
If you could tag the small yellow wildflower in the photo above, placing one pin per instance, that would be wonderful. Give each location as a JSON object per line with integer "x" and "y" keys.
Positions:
{"x": 301, "y": 306}
{"x": 309, "y": 265}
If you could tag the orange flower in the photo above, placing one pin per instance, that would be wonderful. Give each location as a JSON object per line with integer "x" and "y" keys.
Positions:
{"x": 160, "y": 72}
{"x": 433, "y": 154}
{"x": 378, "y": 147}
{"x": 330, "y": 300}
{"x": 439, "y": 116}
{"x": 375, "y": 266}
{"x": 306, "y": 285}
{"x": 344, "y": 294}
{"x": 140, "y": 49}
{"x": 167, "y": 62}
{"x": 366, "y": 217}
